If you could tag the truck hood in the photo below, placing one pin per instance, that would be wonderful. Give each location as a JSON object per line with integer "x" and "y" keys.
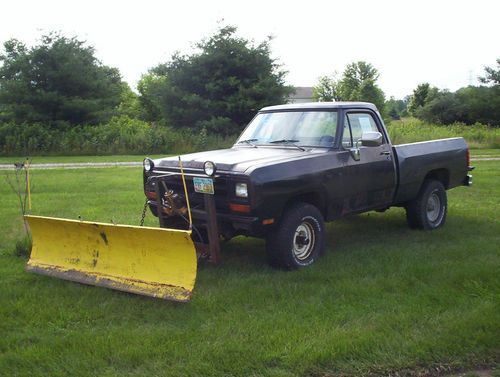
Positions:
{"x": 237, "y": 159}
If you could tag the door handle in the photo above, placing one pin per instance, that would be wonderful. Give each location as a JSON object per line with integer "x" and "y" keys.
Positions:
{"x": 386, "y": 153}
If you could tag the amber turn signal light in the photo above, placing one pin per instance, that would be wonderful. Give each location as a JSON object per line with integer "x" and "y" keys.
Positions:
{"x": 239, "y": 207}
{"x": 151, "y": 195}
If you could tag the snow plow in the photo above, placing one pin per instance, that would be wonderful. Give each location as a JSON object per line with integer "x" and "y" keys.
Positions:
{"x": 148, "y": 261}
{"x": 157, "y": 262}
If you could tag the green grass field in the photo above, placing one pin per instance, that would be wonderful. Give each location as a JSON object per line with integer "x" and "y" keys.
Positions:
{"x": 383, "y": 300}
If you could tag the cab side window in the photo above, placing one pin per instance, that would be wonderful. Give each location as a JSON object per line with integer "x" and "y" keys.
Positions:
{"x": 354, "y": 126}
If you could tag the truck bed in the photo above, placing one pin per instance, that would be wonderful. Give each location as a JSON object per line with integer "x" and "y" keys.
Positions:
{"x": 444, "y": 158}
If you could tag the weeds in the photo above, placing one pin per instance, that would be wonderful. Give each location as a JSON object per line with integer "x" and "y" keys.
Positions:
{"x": 410, "y": 130}
{"x": 23, "y": 247}
{"x": 22, "y": 187}
{"x": 122, "y": 135}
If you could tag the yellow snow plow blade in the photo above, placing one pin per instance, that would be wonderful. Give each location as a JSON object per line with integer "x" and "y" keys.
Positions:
{"x": 147, "y": 261}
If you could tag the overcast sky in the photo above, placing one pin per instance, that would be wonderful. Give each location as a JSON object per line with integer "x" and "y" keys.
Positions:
{"x": 446, "y": 43}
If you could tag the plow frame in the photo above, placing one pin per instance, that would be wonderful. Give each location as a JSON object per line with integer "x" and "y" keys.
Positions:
{"x": 210, "y": 250}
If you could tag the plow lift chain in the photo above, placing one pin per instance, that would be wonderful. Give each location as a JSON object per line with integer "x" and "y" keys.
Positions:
{"x": 169, "y": 203}
{"x": 143, "y": 216}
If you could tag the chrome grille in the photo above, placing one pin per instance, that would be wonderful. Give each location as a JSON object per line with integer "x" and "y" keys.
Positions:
{"x": 174, "y": 182}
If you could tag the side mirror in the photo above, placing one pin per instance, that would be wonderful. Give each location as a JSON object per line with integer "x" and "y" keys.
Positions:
{"x": 371, "y": 139}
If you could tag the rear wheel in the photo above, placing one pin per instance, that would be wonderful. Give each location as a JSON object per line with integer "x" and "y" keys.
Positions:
{"x": 428, "y": 210}
{"x": 299, "y": 238}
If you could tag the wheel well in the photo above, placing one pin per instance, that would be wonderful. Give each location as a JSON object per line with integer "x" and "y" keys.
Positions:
{"x": 441, "y": 175}
{"x": 314, "y": 198}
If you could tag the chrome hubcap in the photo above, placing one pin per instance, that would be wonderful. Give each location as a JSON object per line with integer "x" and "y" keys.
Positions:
{"x": 433, "y": 207}
{"x": 303, "y": 241}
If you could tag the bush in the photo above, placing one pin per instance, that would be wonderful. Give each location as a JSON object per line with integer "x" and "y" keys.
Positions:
{"x": 467, "y": 105}
{"x": 409, "y": 130}
{"x": 122, "y": 135}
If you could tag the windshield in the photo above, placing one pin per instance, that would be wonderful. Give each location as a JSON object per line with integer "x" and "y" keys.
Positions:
{"x": 305, "y": 128}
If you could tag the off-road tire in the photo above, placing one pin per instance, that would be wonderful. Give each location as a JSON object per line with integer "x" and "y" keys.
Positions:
{"x": 428, "y": 210}
{"x": 299, "y": 238}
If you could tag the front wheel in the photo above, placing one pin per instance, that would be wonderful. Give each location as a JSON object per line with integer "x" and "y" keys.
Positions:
{"x": 299, "y": 238}
{"x": 428, "y": 210}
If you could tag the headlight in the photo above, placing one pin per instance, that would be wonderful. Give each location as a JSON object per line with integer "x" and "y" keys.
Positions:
{"x": 148, "y": 164}
{"x": 241, "y": 190}
{"x": 209, "y": 168}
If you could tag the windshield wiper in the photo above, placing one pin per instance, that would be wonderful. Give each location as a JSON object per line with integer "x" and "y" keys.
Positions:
{"x": 249, "y": 142}
{"x": 287, "y": 141}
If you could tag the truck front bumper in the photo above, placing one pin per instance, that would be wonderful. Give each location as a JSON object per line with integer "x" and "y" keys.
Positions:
{"x": 246, "y": 224}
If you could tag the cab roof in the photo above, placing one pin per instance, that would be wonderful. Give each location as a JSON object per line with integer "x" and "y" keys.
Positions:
{"x": 321, "y": 105}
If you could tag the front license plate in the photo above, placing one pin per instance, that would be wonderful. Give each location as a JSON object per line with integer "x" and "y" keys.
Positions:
{"x": 203, "y": 185}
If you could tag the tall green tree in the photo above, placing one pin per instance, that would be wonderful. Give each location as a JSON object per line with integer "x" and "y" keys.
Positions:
{"x": 327, "y": 89}
{"x": 218, "y": 88}
{"x": 59, "y": 81}
{"x": 355, "y": 75}
{"x": 396, "y": 108}
{"x": 130, "y": 105}
{"x": 151, "y": 87}
{"x": 422, "y": 94}
{"x": 443, "y": 108}
{"x": 359, "y": 83}
{"x": 492, "y": 75}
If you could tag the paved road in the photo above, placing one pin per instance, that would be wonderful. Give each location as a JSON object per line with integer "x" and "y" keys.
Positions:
{"x": 76, "y": 165}
{"x": 132, "y": 164}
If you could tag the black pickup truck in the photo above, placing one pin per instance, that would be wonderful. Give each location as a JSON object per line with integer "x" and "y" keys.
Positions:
{"x": 296, "y": 166}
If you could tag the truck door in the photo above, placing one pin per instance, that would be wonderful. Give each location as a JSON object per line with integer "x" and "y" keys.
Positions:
{"x": 371, "y": 181}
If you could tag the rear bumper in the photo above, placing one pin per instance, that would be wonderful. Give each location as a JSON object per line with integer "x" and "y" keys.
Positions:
{"x": 467, "y": 180}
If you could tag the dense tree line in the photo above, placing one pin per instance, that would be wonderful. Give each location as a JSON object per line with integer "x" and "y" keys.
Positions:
{"x": 59, "y": 84}
{"x": 469, "y": 105}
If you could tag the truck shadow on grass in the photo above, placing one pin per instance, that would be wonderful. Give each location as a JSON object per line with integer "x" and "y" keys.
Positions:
{"x": 364, "y": 245}
{"x": 341, "y": 236}
{"x": 364, "y": 236}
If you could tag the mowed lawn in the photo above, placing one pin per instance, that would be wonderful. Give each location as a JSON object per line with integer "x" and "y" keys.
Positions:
{"x": 383, "y": 300}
